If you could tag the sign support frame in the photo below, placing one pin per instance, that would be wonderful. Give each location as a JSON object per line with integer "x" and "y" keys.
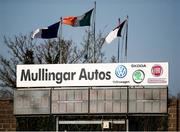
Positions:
{"x": 57, "y": 123}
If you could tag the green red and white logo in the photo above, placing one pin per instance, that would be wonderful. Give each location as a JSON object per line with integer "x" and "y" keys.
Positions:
{"x": 157, "y": 70}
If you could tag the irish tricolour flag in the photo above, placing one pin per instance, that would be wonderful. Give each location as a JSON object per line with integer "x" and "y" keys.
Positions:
{"x": 75, "y": 21}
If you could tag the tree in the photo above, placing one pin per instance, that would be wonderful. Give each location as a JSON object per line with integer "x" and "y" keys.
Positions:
{"x": 21, "y": 51}
{"x": 24, "y": 50}
{"x": 178, "y": 95}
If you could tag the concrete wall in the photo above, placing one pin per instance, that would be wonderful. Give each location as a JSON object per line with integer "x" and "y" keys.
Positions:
{"x": 174, "y": 115}
{"x": 7, "y": 119}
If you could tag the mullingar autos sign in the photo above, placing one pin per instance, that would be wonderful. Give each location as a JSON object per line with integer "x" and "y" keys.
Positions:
{"x": 102, "y": 74}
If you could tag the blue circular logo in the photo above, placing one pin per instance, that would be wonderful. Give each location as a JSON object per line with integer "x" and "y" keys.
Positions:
{"x": 121, "y": 71}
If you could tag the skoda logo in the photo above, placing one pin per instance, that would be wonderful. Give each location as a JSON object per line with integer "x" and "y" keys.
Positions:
{"x": 138, "y": 76}
{"x": 121, "y": 71}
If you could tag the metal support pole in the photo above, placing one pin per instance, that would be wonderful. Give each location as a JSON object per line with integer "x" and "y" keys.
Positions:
{"x": 127, "y": 118}
{"x": 94, "y": 33}
{"x": 60, "y": 39}
{"x": 118, "y": 42}
{"x": 127, "y": 124}
{"x": 57, "y": 123}
{"x": 126, "y": 40}
{"x": 89, "y": 100}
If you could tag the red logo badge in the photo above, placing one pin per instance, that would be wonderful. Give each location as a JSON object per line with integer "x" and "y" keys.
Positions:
{"x": 157, "y": 70}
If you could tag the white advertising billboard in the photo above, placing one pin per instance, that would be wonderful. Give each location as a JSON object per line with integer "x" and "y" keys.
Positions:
{"x": 102, "y": 74}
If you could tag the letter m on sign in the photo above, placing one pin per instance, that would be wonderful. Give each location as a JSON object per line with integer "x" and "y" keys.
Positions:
{"x": 25, "y": 75}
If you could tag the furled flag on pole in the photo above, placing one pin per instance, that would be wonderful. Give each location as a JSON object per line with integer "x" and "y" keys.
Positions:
{"x": 115, "y": 33}
{"x": 77, "y": 21}
{"x": 47, "y": 33}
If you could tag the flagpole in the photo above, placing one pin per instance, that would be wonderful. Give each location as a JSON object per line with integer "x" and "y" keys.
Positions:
{"x": 87, "y": 48}
{"x": 60, "y": 47}
{"x": 94, "y": 30}
{"x": 118, "y": 40}
{"x": 126, "y": 40}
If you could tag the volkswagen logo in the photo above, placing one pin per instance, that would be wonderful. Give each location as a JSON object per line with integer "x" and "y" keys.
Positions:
{"x": 121, "y": 71}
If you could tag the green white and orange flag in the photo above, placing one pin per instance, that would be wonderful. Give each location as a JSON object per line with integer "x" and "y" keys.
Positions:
{"x": 77, "y": 21}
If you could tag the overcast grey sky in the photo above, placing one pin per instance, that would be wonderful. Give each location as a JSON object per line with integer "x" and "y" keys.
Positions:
{"x": 154, "y": 26}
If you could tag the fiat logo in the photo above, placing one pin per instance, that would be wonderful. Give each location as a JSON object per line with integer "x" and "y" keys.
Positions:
{"x": 157, "y": 70}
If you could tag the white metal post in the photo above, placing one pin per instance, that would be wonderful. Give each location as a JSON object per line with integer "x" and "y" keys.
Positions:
{"x": 127, "y": 124}
{"x": 57, "y": 123}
